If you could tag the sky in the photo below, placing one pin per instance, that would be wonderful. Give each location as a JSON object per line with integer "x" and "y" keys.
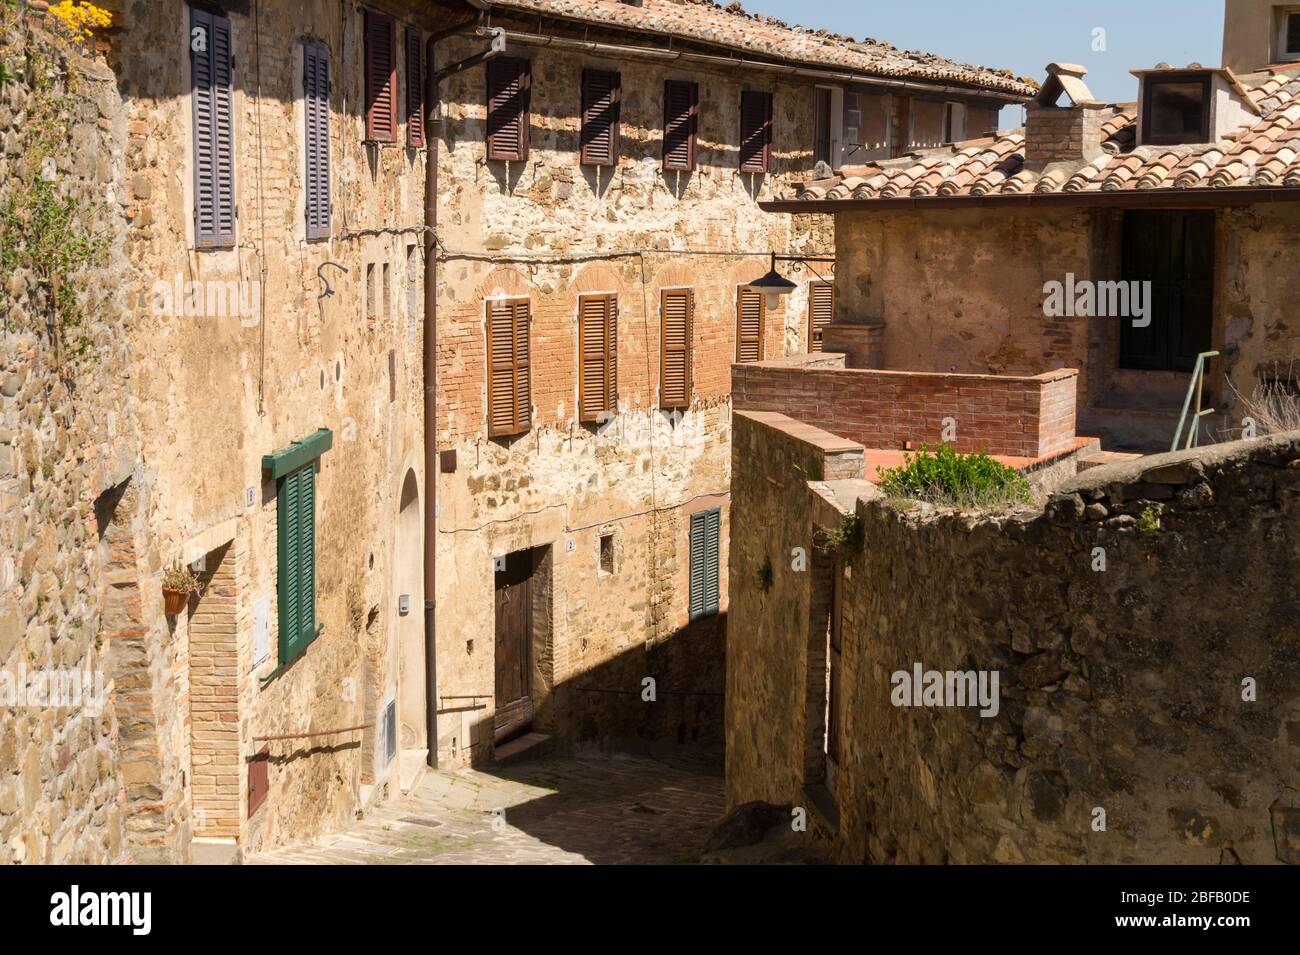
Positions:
{"x": 1025, "y": 36}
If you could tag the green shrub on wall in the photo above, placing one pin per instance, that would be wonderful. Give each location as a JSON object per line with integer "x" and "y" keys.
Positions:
{"x": 943, "y": 476}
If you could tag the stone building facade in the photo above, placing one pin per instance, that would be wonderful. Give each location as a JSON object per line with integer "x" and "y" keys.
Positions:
{"x": 1145, "y": 707}
{"x": 257, "y": 412}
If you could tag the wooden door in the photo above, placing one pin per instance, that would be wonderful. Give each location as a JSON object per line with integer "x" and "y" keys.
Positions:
{"x": 514, "y": 641}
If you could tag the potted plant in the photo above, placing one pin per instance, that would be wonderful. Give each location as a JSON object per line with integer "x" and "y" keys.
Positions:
{"x": 178, "y": 584}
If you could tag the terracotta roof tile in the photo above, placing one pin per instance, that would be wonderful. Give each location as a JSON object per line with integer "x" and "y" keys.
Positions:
{"x": 1265, "y": 153}
{"x": 761, "y": 36}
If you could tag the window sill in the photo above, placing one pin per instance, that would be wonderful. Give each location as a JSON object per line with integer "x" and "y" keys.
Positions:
{"x": 284, "y": 667}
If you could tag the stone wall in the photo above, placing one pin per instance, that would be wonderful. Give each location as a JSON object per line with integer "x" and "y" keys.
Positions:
{"x": 86, "y": 775}
{"x": 1026, "y": 417}
{"x": 1143, "y": 626}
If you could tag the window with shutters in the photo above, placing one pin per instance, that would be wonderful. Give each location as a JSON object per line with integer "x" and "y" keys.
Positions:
{"x": 706, "y": 534}
{"x": 294, "y": 471}
{"x": 508, "y": 387}
{"x": 601, "y": 100}
{"x": 381, "y": 78}
{"x": 755, "y": 131}
{"x": 677, "y": 314}
{"x": 316, "y": 138}
{"x": 821, "y": 312}
{"x": 750, "y": 313}
{"x": 597, "y": 357}
{"x": 681, "y": 116}
{"x": 212, "y": 64}
{"x": 414, "y": 89}
{"x": 509, "y": 92}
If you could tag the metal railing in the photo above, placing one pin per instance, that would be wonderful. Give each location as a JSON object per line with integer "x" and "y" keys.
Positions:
{"x": 1195, "y": 389}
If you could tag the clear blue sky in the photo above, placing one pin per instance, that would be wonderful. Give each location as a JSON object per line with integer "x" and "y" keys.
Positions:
{"x": 1025, "y": 36}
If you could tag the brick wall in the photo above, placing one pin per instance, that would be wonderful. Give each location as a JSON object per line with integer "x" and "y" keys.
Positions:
{"x": 1059, "y": 134}
{"x": 1026, "y": 417}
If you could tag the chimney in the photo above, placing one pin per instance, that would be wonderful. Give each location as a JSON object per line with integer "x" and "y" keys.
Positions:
{"x": 1063, "y": 133}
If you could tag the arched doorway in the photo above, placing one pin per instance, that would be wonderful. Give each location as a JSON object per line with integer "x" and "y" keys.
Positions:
{"x": 408, "y": 580}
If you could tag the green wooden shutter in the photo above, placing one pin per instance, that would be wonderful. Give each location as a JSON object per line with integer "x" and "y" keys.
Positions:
{"x": 297, "y": 560}
{"x": 706, "y": 529}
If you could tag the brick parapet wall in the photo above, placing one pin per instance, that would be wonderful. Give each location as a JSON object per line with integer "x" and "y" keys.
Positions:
{"x": 1021, "y": 416}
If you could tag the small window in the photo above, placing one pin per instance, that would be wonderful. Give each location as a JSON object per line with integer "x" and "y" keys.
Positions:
{"x": 1176, "y": 109}
{"x": 597, "y": 357}
{"x": 681, "y": 116}
{"x": 706, "y": 527}
{"x": 509, "y": 383}
{"x": 821, "y": 125}
{"x": 677, "y": 311}
{"x": 414, "y": 89}
{"x": 755, "y": 131}
{"x": 509, "y": 93}
{"x": 370, "y": 294}
{"x": 212, "y": 91}
{"x": 1288, "y": 37}
{"x": 821, "y": 312}
{"x": 954, "y": 122}
{"x": 601, "y": 99}
{"x": 316, "y": 141}
{"x": 749, "y": 324}
{"x": 381, "y": 78}
{"x": 607, "y": 553}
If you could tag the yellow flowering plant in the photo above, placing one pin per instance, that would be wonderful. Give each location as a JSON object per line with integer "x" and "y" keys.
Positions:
{"x": 81, "y": 19}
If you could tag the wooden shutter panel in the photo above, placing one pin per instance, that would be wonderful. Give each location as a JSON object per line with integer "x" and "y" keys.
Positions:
{"x": 821, "y": 312}
{"x": 597, "y": 356}
{"x": 704, "y": 597}
{"x": 414, "y": 89}
{"x": 755, "y": 131}
{"x": 601, "y": 101}
{"x": 296, "y": 517}
{"x": 749, "y": 325}
{"x": 509, "y": 384}
{"x": 316, "y": 109}
{"x": 212, "y": 93}
{"x": 381, "y": 78}
{"x": 681, "y": 108}
{"x": 676, "y": 307}
{"x": 509, "y": 90}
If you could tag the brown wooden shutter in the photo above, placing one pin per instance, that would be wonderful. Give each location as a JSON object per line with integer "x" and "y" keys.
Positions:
{"x": 381, "y": 78}
{"x": 821, "y": 312}
{"x": 601, "y": 101}
{"x": 597, "y": 356}
{"x": 212, "y": 92}
{"x": 509, "y": 90}
{"x": 681, "y": 116}
{"x": 414, "y": 89}
{"x": 509, "y": 385}
{"x": 749, "y": 325}
{"x": 316, "y": 111}
{"x": 755, "y": 131}
{"x": 677, "y": 312}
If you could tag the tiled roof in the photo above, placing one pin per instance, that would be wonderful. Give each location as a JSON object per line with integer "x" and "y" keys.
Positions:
{"x": 1265, "y": 153}
{"x": 766, "y": 37}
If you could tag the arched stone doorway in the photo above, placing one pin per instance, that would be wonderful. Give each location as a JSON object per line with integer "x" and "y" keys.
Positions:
{"x": 408, "y": 580}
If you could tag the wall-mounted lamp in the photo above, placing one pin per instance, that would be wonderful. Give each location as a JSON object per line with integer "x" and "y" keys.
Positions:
{"x": 773, "y": 285}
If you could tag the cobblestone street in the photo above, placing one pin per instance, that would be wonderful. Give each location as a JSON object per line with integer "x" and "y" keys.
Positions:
{"x": 597, "y": 809}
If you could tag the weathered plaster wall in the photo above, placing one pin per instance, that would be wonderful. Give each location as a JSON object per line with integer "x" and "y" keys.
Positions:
{"x": 963, "y": 290}
{"x": 1120, "y": 689}
{"x": 217, "y": 392}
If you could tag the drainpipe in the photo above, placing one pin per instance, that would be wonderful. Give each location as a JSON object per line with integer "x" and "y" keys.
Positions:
{"x": 431, "y": 364}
